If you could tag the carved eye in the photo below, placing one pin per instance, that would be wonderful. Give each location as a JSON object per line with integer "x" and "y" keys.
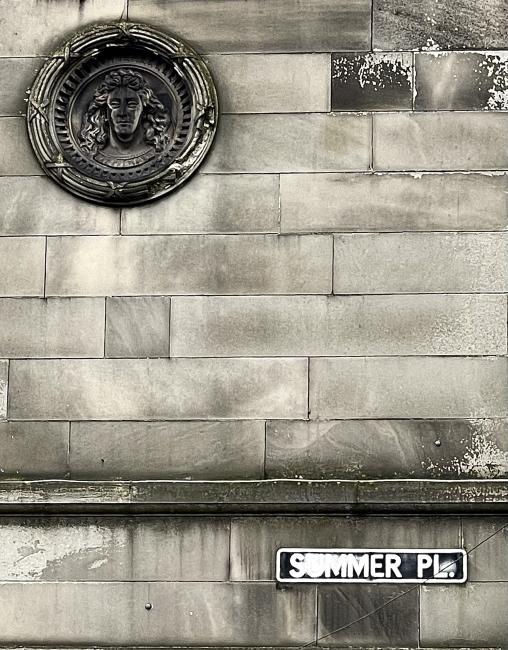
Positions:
{"x": 114, "y": 103}
{"x": 132, "y": 103}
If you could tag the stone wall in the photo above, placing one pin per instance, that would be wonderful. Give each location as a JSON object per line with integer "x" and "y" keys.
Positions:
{"x": 325, "y": 299}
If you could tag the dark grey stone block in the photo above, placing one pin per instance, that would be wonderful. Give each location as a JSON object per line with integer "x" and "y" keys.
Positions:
{"x": 384, "y": 449}
{"x": 33, "y": 449}
{"x": 440, "y": 24}
{"x": 372, "y": 82}
{"x": 167, "y": 450}
{"x": 255, "y": 540}
{"x": 471, "y": 615}
{"x": 260, "y": 26}
{"x": 461, "y": 81}
{"x": 137, "y": 327}
{"x": 487, "y": 559}
{"x": 395, "y": 623}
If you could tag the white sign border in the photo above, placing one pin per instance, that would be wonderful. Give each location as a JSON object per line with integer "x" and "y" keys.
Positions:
{"x": 428, "y": 551}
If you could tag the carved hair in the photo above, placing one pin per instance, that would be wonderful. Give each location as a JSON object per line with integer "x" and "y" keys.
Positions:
{"x": 155, "y": 120}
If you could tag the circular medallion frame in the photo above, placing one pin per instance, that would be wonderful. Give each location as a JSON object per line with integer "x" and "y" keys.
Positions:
{"x": 122, "y": 113}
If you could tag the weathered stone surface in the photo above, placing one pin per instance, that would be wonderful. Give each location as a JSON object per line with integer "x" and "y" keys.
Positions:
{"x": 408, "y": 387}
{"x": 440, "y": 24}
{"x": 34, "y": 27}
{"x": 440, "y": 141}
{"x": 37, "y": 206}
{"x": 487, "y": 562}
{"x": 167, "y": 450}
{"x": 17, "y": 156}
{"x": 372, "y": 82}
{"x": 338, "y": 326}
{"x": 421, "y": 263}
{"x": 4, "y": 377}
{"x": 391, "y": 202}
{"x": 22, "y": 266}
{"x": 461, "y": 81}
{"x": 16, "y": 76}
{"x": 137, "y": 327}
{"x": 471, "y": 615}
{"x": 394, "y": 623}
{"x": 56, "y": 327}
{"x": 103, "y": 549}
{"x": 33, "y": 449}
{"x": 215, "y": 203}
{"x": 273, "y": 83}
{"x": 255, "y": 540}
{"x": 255, "y": 26}
{"x": 316, "y": 142}
{"x": 188, "y": 264}
{"x": 182, "y": 614}
{"x": 132, "y": 389}
{"x": 449, "y": 449}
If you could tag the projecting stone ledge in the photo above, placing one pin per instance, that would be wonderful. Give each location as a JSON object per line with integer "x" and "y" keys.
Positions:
{"x": 270, "y": 496}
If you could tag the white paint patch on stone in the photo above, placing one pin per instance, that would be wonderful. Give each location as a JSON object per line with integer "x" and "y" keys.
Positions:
{"x": 496, "y": 66}
{"x": 431, "y": 45}
{"x": 30, "y": 552}
{"x": 376, "y": 70}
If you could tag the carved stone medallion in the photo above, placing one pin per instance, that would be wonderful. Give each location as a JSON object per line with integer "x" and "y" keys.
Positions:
{"x": 122, "y": 114}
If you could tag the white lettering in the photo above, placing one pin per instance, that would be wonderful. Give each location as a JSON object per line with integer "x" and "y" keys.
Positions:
{"x": 358, "y": 566}
{"x": 335, "y": 564}
{"x": 392, "y": 565}
{"x": 376, "y": 565}
{"x": 423, "y": 562}
{"x": 297, "y": 560}
{"x": 314, "y": 565}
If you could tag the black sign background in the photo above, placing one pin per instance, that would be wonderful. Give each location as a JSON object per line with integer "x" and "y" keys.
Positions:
{"x": 413, "y": 565}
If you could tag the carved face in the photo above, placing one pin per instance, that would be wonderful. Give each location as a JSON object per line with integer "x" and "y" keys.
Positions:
{"x": 124, "y": 111}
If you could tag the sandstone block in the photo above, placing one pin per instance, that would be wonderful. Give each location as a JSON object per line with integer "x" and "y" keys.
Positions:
{"x": 33, "y": 450}
{"x": 22, "y": 266}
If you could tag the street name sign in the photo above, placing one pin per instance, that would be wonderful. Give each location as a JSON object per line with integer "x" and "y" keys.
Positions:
{"x": 371, "y": 565}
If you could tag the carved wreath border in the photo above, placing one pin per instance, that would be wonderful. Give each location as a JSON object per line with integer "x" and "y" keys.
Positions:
{"x": 86, "y": 44}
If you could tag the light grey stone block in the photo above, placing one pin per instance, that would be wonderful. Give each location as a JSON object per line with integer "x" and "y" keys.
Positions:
{"x": 440, "y": 141}
{"x": 258, "y": 26}
{"x": 56, "y": 327}
{"x": 487, "y": 540}
{"x": 167, "y": 450}
{"x": 394, "y": 621}
{"x": 4, "y": 378}
{"x": 255, "y": 540}
{"x": 272, "y": 83}
{"x": 22, "y": 266}
{"x": 190, "y": 264}
{"x": 387, "y": 449}
{"x": 116, "y": 389}
{"x": 391, "y": 202}
{"x": 37, "y": 206}
{"x": 192, "y": 613}
{"x": 421, "y": 263}
{"x": 338, "y": 326}
{"x": 316, "y": 142}
{"x": 471, "y": 615}
{"x": 31, "y": 27}
{"x": 30, "y": 450}
{"x": 137, "y": 327}
{"x": 408, "y": 387}
{"x": 211, "y": 203}
{"x": 113, "y": 549}
{"x": 17, "y": 157}
{"x": 16, "y": 77}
